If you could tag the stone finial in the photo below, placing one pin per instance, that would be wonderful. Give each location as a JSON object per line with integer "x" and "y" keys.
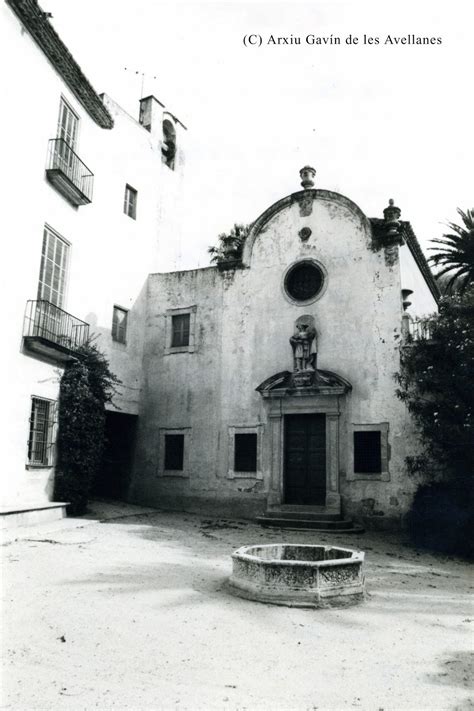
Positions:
{"x": 392, "y": 213}
{"x": 391, "y": 216}
{"x": 307, "y": 174}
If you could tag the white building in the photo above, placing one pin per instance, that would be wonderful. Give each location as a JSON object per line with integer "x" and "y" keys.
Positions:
{"x": 91, "y": 193}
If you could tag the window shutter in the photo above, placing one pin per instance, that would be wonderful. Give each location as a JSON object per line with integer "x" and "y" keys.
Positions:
{"x": 53, "y": 268}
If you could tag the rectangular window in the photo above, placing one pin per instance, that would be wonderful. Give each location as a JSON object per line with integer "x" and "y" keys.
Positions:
{"x": 119, "y": 325}
{"x": 368, "y": 452}
{"x": 68, "y": 124}
{"x": 53, "y": 268}
{"x": 180, "y": 330}
{"x": 130, "y": 202}
{"x": 174, "y": 452}
{"x": 41, "y": 431}
{"x": 245, "y": 452}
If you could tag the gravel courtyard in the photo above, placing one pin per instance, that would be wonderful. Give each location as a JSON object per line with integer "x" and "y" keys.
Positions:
{"x": 129, "y": 613}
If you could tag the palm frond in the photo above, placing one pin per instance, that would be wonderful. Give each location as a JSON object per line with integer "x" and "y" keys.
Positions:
{"x": 467, "y": 217}
{"x": 455, "y": 252}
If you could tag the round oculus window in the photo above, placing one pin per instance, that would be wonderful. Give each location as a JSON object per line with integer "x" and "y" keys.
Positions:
{"x": 304, "y": 281}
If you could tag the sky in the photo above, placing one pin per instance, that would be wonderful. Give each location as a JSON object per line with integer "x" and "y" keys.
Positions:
{"x": 376, "y": 121}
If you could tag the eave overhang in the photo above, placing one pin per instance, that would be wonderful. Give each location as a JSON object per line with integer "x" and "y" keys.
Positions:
{"x": 35, "y": 20}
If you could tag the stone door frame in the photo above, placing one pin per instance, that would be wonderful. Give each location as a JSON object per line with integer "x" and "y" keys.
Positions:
{"x": 303, "y": 403}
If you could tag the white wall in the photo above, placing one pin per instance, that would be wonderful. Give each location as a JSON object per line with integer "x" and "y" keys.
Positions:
{"x": 110, "y": 255}
{"x": 422, "y": 300}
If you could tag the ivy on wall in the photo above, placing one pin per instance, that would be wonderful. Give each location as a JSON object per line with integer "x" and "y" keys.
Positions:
{"x": 86, "y": 386}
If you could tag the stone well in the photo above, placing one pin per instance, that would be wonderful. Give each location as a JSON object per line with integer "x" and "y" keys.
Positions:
{"x": 298, "y": 575}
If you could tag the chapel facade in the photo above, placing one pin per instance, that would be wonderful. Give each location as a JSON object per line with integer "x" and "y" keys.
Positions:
{"x": 269, "y": 378}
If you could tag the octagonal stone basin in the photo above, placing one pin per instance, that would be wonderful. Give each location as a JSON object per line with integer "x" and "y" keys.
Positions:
{"x": 298, "y": 575}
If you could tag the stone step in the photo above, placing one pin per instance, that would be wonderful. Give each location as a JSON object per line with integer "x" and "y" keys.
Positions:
{"x": 298, "y": 507}
{"x": 302, "y": 522}
{"x": 31, "y": 514}
{"x": 307, "y": 515}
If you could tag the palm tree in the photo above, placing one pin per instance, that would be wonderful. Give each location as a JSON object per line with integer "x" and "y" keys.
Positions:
{"x": 456, "y": 255}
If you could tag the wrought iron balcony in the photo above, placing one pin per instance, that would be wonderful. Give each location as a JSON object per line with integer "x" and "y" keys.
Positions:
{"x": 52, "y": 332}
{"x": 69, "y": 175}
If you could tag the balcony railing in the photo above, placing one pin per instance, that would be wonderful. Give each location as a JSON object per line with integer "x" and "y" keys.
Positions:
{"x": 51, "y": 331}
{"x": 416, "y": 329}
{"x": 66, "y": 171}
{"x": 421, "y": 329}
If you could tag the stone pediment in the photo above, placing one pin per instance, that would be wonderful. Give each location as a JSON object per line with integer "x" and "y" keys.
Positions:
{"x": 322, "y": 382}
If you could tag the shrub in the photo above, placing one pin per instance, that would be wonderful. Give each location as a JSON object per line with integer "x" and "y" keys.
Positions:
{"x": 86, "y": 386}
{"x": 437, "y": 385}
{"x": 441, "y": 518}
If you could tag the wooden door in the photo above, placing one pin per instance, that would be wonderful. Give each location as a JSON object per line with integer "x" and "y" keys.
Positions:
{"x": 305, "y": 459}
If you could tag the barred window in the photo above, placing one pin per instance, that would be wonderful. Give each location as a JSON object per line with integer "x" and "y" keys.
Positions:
{"x": 119, "y": 324}
{"x": 304, "y": 281}
{"x": 41, "y": 432}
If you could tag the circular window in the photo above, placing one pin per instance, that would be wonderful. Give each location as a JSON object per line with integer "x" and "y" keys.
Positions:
{"x": 304, "y": 281}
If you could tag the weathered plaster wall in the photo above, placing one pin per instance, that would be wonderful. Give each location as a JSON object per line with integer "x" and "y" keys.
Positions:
{"x": 244, "y": 321}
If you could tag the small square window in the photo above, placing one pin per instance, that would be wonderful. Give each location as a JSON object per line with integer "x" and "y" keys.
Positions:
{"x": 174, "y": 452}
{"x": 245, "y": 452}
{"x": 119, "y": 324}
{"x": 180, "y": 330}
{"x": 41, "y": 432}
{"x": 130, "y": 202}
{"x": 368, "y": 452}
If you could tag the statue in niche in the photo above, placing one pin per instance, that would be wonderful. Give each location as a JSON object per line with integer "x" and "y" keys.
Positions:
{"x": 304, "y": 344}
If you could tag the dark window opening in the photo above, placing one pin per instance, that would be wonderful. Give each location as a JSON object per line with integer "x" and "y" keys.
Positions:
{"x": 367, "y": 452}
{"x": 304, "y": 281}
{"x": 174, "y": 451}
{"x": 180, "y": 330}
{"x": 245, "y": 452}
{"x": 169, "y": 144}
{"x": 119, "y": 325}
